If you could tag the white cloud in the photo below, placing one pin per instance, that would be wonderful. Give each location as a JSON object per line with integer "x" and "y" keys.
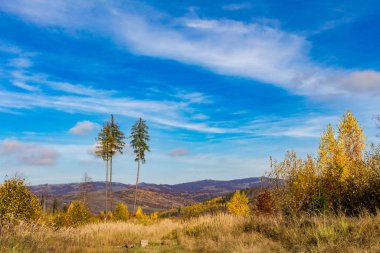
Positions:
{"x": 363, "y": 81}
{"x": 162, "y": 112}
{"x": 74, "y": 88}
{"x": 27, "y": 153}
{"x": 307, "y": 126}
{"x": 194, "y": 97}
{"x": 256, "y": 51}
{"x": 21, "y": 77}
{"x": 75, "y": 98}
{"x": 83, "y": 127}
{"x": 20, "y": 62}
{"x": 178, "y": 152}
{"x": 253, "y": 50}
{"x": 24, "y": 86}
{"x": 92, "y": 150}
{"x": 224, "y": 46}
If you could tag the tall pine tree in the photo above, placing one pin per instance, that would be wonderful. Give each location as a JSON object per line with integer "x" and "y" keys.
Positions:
{"x": 139, "y": 144}
{"x": 116, "y": 145}
{"x": 102, "y": 150}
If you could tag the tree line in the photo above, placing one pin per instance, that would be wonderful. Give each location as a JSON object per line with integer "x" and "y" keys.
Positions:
{"x": 111, "y": 141}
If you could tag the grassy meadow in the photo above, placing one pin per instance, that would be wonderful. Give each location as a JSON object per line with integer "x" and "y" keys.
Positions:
{"x": 209, "y": 233}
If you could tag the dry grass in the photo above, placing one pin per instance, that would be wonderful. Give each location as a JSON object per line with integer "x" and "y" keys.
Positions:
{"x": 219, "y": 233}
{"x": 99, "y": 237}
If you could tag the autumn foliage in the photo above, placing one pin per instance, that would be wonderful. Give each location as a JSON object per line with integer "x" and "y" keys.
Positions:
{"x": 139, "y": 213}
{"x": 17, "y": 202}
{"x": 77, "y": 214}
{"x": 239, "y": 204}
{"x": 121, "y": 212}
{"x": 342, "y": 178}
{"x": 265, "y": 202}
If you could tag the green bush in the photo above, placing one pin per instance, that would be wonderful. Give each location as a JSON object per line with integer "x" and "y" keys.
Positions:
{"x": 77, "y": 214}
{"x": 121, "y": 212}
{"x": 17, "y": 202}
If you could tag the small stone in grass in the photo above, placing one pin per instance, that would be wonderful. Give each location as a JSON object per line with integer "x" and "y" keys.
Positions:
{"x": 144, "y": 243}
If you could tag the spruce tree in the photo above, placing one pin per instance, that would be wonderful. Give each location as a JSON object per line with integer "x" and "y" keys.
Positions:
{"x": 116, "y": 145}
{"x": 102, "y": 150}
{"x": 139, "y": 139}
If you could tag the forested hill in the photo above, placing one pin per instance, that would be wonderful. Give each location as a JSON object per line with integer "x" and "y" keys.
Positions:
{"x": 153, "y": 196}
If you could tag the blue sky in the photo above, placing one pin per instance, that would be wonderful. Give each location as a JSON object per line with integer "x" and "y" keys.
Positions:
{"x": 223, "y": 85}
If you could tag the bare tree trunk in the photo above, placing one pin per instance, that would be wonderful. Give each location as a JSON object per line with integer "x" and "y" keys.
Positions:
{"x": 85, "y": 188}
{"x": 46, "y": 194}
{"x": 137, "y": 183}
{"x": 111, "y": 192}
{"x": 105, "y": 216}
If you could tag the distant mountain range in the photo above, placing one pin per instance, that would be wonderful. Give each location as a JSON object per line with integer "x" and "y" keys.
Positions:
{"x": 152, "y": 197}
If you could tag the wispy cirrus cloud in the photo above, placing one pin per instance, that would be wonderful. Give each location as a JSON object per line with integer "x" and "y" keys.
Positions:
{"x": 21, "y": 62}
{"x": 167, "y": 113}
{"x": 177, "y": 113}
{"x": 78, "y": 98}
{"x": 253, "y": 50}
{"x": 23, "y": 77}
{"x": 194, "y": 97}
{"x": 237, "y": 6}
{"x": 24, "y": 86}
{"x": 305, "y": 126}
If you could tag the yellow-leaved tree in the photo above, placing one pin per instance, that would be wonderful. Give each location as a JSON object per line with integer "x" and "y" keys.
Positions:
{"x": 355, "y": 175}
{"x": 340, "y": 158}
{"x": 239, "y": 204}
{"x": 331, "y": 161}
{"x": 139, "y": 213}
{"x": 351, "y": 137}
{"x": 351, "y": 142}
